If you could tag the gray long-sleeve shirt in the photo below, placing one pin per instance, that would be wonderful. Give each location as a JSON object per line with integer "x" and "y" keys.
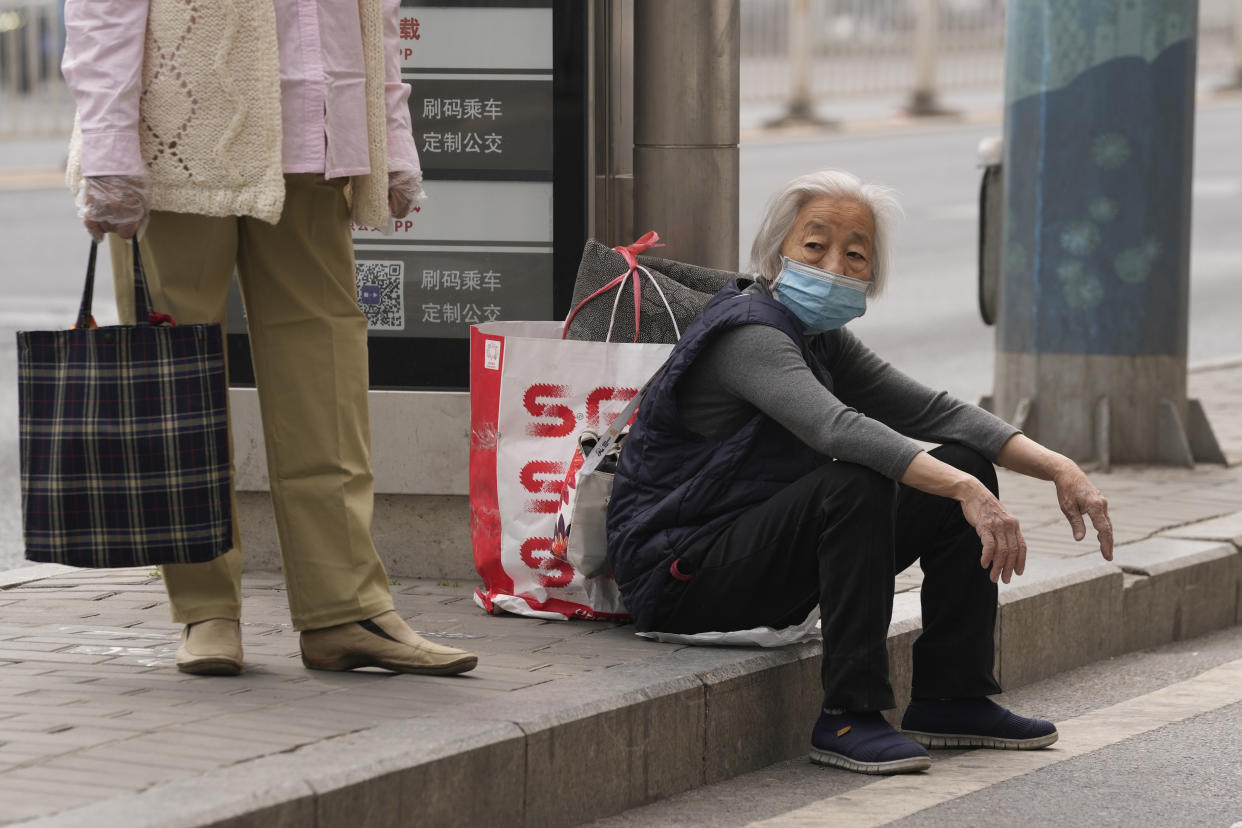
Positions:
{"x": 869, "y": 416}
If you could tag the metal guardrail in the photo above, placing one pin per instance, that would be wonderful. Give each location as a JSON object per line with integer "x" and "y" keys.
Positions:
{"x": 34, "y": 102}
{"x": 899, "y": 48}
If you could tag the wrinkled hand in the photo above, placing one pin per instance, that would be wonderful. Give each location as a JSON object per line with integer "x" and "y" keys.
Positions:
{"x": 1077, "y": 496}
{"x": 1004, "y": 548}
{"x": 114, "y": 204}
{"x": 405, "y": 191}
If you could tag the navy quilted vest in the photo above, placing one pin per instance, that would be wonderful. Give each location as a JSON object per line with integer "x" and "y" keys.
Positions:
{"x": 674, "y": 486}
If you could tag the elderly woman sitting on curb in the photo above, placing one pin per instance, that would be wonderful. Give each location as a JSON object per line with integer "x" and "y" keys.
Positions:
{"x": 771, "y": 468}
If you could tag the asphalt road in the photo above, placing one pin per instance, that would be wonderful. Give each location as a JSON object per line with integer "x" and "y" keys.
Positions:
{"x": 1186, "y": 772}
{"x": 927, "y": 324}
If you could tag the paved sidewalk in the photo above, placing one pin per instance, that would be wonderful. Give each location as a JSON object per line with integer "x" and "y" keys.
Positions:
{"x": 97, "y": 726}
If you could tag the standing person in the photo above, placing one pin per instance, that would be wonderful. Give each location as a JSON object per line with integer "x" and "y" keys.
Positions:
{"x": 248, "y": 135}
{"x": 771, "y": 470}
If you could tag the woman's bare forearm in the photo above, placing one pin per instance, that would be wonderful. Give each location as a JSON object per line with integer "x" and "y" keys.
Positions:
{"x": 1025, "y": 456}
{"x": 927, "y": 474}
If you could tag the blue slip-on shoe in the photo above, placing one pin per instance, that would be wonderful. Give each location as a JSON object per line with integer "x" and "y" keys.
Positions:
{"x": 865, "y": 743}
{"x": 981, "y": 722}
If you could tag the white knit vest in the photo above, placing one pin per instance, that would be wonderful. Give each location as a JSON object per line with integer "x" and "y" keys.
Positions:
{"x": 209, "y": 116}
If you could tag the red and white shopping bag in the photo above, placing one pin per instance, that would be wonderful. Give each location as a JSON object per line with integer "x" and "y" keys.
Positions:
{"x": 531, "y": 394}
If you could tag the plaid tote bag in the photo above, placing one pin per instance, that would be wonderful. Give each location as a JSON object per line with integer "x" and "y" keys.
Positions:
{"x": 124, "y": 439}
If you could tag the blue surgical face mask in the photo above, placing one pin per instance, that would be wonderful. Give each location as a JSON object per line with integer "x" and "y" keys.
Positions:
{"x": 822, "y": 300}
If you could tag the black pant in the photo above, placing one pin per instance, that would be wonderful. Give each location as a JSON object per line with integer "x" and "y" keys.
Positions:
{"x": 839, "y": 536}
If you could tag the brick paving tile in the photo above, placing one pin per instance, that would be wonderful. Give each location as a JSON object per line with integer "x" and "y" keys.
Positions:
{"x": 130, "y": 752}
{"x": 62, "y": 739}
{"x": 264, "y": 721}
{"x": 9, "y": 647}
{"x": 141, "y": 776}
{"x": 17, "y": 803}
{"x": 346, "y": 718}
{"x": 377, "y": 709}
{"x": 616, "y": 654}
{"x": 43, "y": 723}
{"x": 113, "y": 779}
{"x": 222, "y": 751}
{"x": 21, "y": 778}
{"x": 46, "y": 698}
{"x": 53, "y": 597}
{"x": 75, "y": 583}
{"x": 103, "y": 708}
{"x": 516, "y": 661}
{"x": 67, "y": 643}
{"x": 198, "y": 733}
{"x": 98, "y": 630}
{"x": 16, "y": 754}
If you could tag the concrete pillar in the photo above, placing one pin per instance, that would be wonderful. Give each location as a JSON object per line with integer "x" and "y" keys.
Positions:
{"x": 1092, "y": 328}
{"x": 686, "y": 64}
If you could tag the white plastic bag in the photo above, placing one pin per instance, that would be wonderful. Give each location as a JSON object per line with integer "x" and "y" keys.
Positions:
{"x": 757, "y": 637}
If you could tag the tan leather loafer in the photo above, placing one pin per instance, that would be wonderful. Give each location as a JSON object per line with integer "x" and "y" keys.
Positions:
{"x": 383, "y": 641}
{"x": 211, "y": 648}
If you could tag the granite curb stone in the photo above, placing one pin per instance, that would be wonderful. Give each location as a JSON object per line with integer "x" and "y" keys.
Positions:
{"x": 1177, "y": 589}
{"x": 1062, "y": 613}
{"x": 1227, "y": 528}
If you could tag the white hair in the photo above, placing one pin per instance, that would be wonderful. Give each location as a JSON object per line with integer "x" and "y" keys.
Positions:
{"x": 782, "y": 211}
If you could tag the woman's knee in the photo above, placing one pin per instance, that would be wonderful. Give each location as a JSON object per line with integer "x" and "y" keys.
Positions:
{"x": 969, "y": 461}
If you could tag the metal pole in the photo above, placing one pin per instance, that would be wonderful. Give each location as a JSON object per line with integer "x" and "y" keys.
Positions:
{"x": 1094, "y": 300}
{"x": 800, "y": 105}
{"x": 1237, "y": 42}
{"x": 612, "y": 124}
{"x": 926, "y": 42}
{"x": 686, "y": 65}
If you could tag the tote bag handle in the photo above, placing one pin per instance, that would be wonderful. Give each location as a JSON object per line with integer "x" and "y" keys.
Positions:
{"x": 143, "y": 312}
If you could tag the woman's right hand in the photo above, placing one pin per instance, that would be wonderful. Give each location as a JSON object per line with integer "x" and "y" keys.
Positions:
{"x": 1004, "y": 548}
{"x": 114, "y": 204}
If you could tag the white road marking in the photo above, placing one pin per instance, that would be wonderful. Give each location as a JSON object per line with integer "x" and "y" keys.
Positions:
{"x": 896, "y": 797}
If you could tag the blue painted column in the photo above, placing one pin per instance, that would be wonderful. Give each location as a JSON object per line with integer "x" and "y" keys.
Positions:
{"x": 1092, "y": 323}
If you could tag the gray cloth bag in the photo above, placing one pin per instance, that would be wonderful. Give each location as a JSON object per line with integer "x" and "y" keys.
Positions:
{"x": 685, "y": 287}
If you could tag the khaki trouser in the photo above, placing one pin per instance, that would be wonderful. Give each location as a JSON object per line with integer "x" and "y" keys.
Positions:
{"x": 309, "y": 346}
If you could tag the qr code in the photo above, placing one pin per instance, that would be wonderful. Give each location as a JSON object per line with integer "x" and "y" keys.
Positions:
{"x": 381, "y": 294}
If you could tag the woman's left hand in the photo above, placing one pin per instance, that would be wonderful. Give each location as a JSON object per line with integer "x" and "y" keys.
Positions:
{"x": 1077, "y": 496}
{"x": 405, "y": 191}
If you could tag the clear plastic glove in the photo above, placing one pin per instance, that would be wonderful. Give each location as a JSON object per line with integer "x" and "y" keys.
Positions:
{"x": 405, "y": 191}
{"x": 114, "y": 204}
